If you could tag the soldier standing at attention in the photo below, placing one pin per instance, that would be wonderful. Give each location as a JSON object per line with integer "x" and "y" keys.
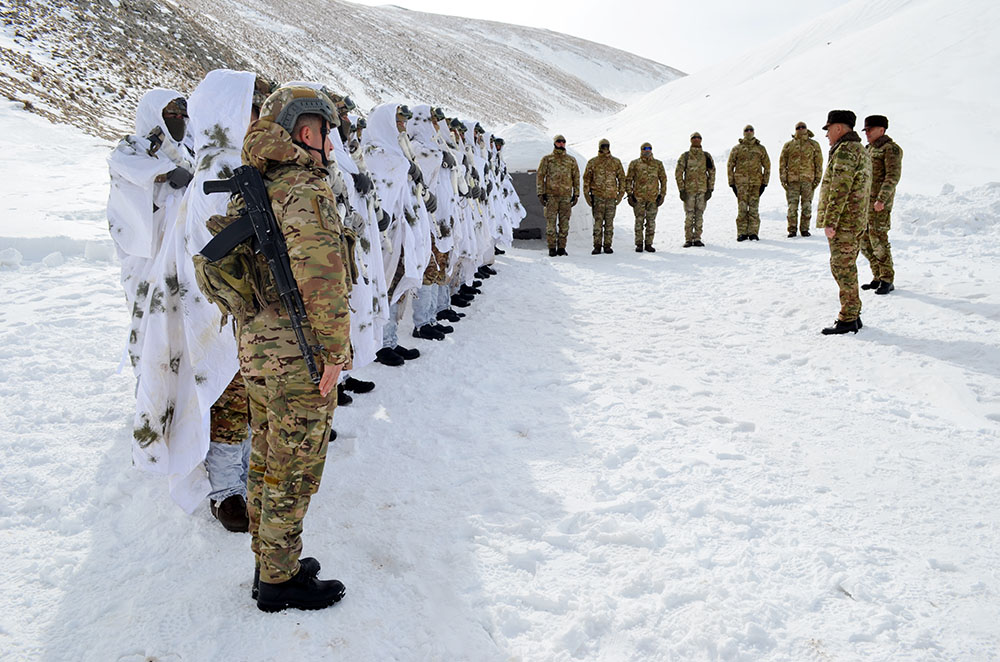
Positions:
{"x": 843, "y": 212}
{"x": 887, "y": 166}
{"x": 800, "y": 169}
{"x": 558, "y": 187}
{"x": 695, "y": 176}
{"x": 645, "y": 184}
{"x": 749, "y": 172}
{"x": 603, "y": 189}
{"x": 290, "y": 416}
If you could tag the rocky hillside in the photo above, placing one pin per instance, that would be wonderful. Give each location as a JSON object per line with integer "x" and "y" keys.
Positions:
{"x": 87, "y": 62}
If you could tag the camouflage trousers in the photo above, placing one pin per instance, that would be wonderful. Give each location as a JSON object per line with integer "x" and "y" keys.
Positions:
{"x": 844, "y": 246}
{"x": 231, "y": 414}
{"x": 748, "y": 216}
{"x": 604, "y": 221}
{"x": 557, "y": 212}
{"x": 875, "y": 245}
{"x": 796, "y": 192}
{"x": 694, "y": 216}
{"x": 290, "y": 423}
{"x": 436, "y": 271}
{"x": 645, "y": 221}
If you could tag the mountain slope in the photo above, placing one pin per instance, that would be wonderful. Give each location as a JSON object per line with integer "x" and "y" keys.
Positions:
{"x": 87, "y": 62}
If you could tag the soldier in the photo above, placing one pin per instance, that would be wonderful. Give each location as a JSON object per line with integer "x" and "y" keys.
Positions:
{"x": 695, "y": 176}
{"x": 558, "y": 188}
{"x": 646, "y": 186}
{"x": 749, "y": 172}
{"x": 887, "y": 165}
{"x": 843, "y": 212}
{"x": 800, "y": 169}
{"x": 603, "y": 189}
{"x": 291, "y": 416}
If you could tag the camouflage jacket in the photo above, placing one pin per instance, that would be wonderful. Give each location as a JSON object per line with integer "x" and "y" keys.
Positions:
{"x": 646, "y": 179}
{"x": 306, "y": 211}
{"x": 801, "y": 160}
{"x": 887, "y": 166}
{"x": 749, "y": 164}
{"x": 843, "y": 196}
{"x": 558, "y": 175}
{"x": 695, "y": 171}
{"x": 604, "y": 177}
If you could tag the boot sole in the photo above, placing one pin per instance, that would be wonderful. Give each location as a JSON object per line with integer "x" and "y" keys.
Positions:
{"x": 281, "y": 606}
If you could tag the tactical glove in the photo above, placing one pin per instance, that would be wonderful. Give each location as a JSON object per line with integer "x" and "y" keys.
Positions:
{"x": 573, "y": 201}
{"x": 415, "y": 174}
{"x": 735, "y": 192}
{"x": 383, "y": 220}
{"x": 659, "y": 200}
{"x": 631, "y": 200}
{"x": 489, "y": 187}
{"x": 431, "y": 203}
{"x": 762, "y": 187}
{"x": 544, "y": 199}
{"x": 475, "y": 192}
{"x": 362, "y": 183}
{"x": 179, "y": 177}
{"x": 708, "y": 195}
{"x": 475, "y": 174}
{"x": 448, "y": 160}
{"x": 684, "y": 196}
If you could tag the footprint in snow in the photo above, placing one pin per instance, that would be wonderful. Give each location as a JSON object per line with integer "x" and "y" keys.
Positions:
{"x": 744, "y": 426}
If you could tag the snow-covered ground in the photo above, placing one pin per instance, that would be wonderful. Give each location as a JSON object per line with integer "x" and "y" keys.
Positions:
{"x": 626, "y": 457}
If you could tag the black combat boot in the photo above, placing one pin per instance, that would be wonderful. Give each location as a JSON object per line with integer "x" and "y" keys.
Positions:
{"x": 408, "y": 354}
{"x": 490, "y": 270}
{"x": 358, "y": 385}
{"x": 561, "y": 251}
{"x": 427, "y": 332}
{"x": 839, "y": 327}
{"x": 448, "y": 315}
{"x": 300, "y": 592}
{"x": 874, "y": 285}
{"x": 792, "y": 233}
{"x": 477, "y": 283}
{"x": 388, "y": 356}
{"x": 697, "y": 242}
{"x": 443, "y": 328}
{"x": 742, "y": 237}
{"x": 342, "y": 398}
{"x": 497, "y": 251}
{"x": 753, "y": 237}
{"x": 806, "y": 233}
{"x": 232, "y": 513}
{"x": 885, "y": 287}
{"x": 638, "y": 248}
{"x": 597, "y": 250}
{"x": 309, "y": 565}
{"x": 608, "y": 250}
{"x": 688, "y": 244}
{"x": 649, "y": 248}
{"x": 460, "y": 301}
{"x": 469, "y": 291}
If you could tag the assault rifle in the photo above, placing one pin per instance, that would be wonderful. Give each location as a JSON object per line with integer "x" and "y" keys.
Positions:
{"x": 257, "y": 223}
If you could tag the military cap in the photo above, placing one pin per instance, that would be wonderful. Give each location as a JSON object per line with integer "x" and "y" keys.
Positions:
{"x": 748, "y": 127}
{"x": 286, "y": 104}
{"x": 876, "y": 120}
{"x": 695, "y": 135}
{"x": 178, "y": 106}
{"x": 437, "y": 114}
{"x": 559, "y": 137}
{"x": 840, "y": 117}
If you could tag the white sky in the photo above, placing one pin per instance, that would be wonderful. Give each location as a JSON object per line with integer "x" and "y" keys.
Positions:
{"x": 686, "y": 35}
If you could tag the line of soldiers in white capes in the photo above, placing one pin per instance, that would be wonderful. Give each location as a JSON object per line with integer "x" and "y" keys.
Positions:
{"x": 426, "y": 197}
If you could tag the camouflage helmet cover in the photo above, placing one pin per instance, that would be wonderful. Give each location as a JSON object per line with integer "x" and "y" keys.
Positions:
{"x": 287, "y": 104}
{"x": 262, "y": 88}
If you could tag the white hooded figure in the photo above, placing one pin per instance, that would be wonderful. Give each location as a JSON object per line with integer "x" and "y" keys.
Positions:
{"x": 511, "y": 206}
{"x": 484, "y": 238}
{"x": 463, "y": 262}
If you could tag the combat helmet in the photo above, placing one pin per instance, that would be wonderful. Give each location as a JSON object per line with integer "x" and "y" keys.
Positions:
{"x": 262, "y": 89}
{"x": 457, "y": 125}
{"x": 286, "y": 104}
{"x": 437, "y": 114}
{"x": 404, "y": 111}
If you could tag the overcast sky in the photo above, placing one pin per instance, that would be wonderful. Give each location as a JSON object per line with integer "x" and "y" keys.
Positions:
{"x": 686, "y": 35}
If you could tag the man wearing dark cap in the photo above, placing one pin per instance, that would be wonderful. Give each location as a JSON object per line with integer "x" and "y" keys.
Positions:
{"x": 749, "y": 169}
{"x": 887, "y": 165}
{"x": 843, "y": 212}
{"x": 800, "y": 169}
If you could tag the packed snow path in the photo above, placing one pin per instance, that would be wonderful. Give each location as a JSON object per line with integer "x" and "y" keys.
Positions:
{"x": 616, "y": 457}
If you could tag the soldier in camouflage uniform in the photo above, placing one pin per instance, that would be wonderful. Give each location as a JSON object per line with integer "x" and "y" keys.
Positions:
{"x": 749, "y": 171}
{"x": 695, "y": 176}
{"x": 290, "y": 415}
{"x": 646, "y": 186}
{"x": 887, "y": 166}
{"x": 843, "y": 213}
{"x": 558, "y": 188}
{"x": 800, "y": 169}
{"x": 603, "y": 189}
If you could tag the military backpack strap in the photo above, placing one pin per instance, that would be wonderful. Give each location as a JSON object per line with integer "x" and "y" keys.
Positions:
{"x": 709, "y": 163}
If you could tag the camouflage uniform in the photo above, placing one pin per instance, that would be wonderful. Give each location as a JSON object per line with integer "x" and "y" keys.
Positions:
{"x": 843, "y": 206}
{"x": 230, "y": 414}
{"x": 558, "y": 180}
{"x": 603, "y": 189}
{"x": 887, "y": 165}
{"x": 695, "y": 176}
{"x": 290, "y": 420}
{"x": 800, "y": 169}
{"x": 646, "y": 181}
{"x": 749, "y": 168}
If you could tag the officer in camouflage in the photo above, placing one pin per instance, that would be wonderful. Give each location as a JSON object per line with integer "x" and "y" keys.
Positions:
{"x": 291, "y": 416}
{"x": 646, "y": 186}
{"x": 749, "y": 173}
{"x": 603, "y": 189}
{"x": 695, "y": 177}
{"x": 800, "y": 169}
{"x": 887, "y": 166}
{"x": 843, "y": 213}
{"x": 558, "y": 188}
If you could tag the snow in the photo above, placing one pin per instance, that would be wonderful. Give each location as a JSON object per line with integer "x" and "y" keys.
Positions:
{"x": 615, "y": 457}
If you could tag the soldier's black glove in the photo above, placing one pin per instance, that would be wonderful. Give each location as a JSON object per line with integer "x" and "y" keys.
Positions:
{"x": 659, "y": 200}
{"x": 383, "y": 220}
{"x": 631, "y": 200}
{"x": 475, "y": 174}
{"x": 475, "y": 192}
{"x": 684, "y": 196}
{"x": 482, "y": 195}
{"x": 431, "y": 203}
{"x": 448, "y": 160}
{"x": 489, "y": 187}
{"x": 708, "y": 195}
{"x": 544, "y": 199}
{"x": 415, "y": 174}
{"x": 734, "y": 190}
{"x": 573, "y": 201}
{"x": 179, "y": 177}
{"x": 362, "y": 183}
{"x": 762, "y": 187}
